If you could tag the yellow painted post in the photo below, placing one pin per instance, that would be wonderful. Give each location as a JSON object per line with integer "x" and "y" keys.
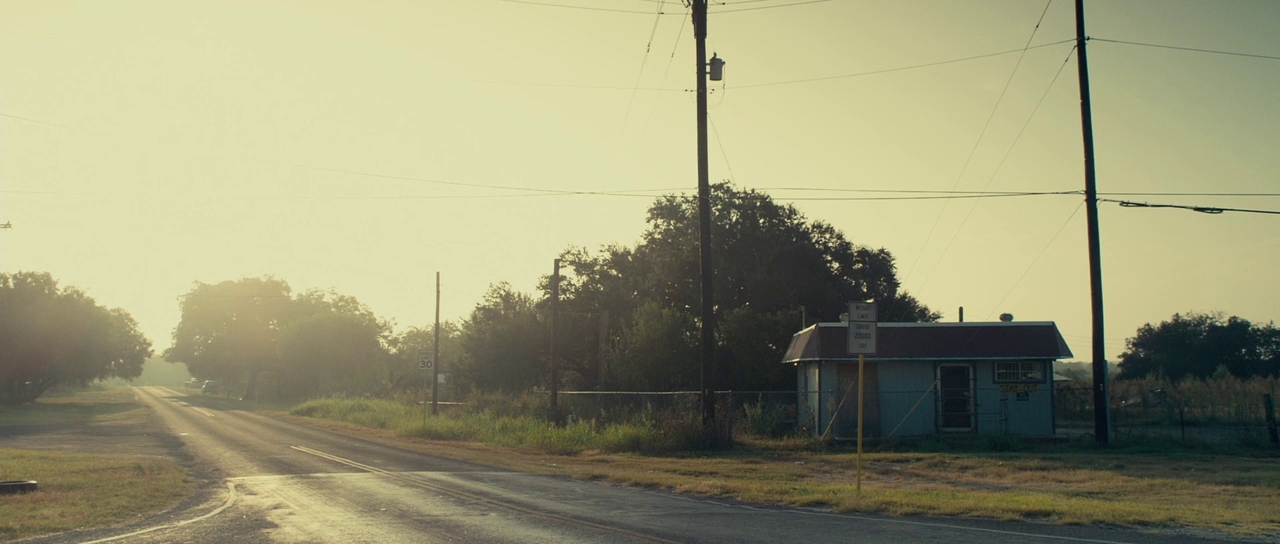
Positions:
{"x": 858, "y": 485}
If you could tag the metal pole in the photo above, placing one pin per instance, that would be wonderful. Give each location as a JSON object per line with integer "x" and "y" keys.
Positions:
{"x": 555, "y": 368}
{"x": 1101, "y": 404}
{"x": 435, "y": 356}
{"x": 861, "y": 364}
{"x": 704, "y": 224}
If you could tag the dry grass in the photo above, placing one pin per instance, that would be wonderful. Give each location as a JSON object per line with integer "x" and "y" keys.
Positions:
{"x": 82, "y": 490}
{"x": 1199, "y": 490}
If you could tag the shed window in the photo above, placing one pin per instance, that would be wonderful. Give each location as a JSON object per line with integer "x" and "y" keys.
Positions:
{"x": 1021, "y": 371}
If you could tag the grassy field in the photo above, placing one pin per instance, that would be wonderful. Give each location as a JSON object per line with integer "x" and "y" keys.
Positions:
{"x": 90, "y": 406}
{"x": 1072, "y": 484}
{"x": 79, "y": 490}
{"x": 84, "y": 490}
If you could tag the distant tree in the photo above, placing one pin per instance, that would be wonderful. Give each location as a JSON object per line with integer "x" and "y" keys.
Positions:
{"x": 403, "y": 373}
{"x": 59, "y": 336}
{"x": 313, "y": 343}
{"x": 503, "y": 342}
{"x": 230, "y": 330}
{"x": 332, "y": 344}
{"x": 1196, "y": 345}
{"x": 769, "y": 262}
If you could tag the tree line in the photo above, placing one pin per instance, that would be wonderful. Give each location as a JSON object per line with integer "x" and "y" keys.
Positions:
{"x": 627, "y": 314}
{"x": 627, "y": 320}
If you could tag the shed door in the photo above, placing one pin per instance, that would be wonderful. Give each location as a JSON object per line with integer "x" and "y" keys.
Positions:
{"x": 955, "y": 395}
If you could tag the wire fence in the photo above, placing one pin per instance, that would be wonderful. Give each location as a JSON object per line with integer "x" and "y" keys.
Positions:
{"x": 1221, "y": 413}
{"x": 1225, "y": 411}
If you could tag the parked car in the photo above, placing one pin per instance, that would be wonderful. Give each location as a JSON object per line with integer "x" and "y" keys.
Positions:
{"x": 191, "y": 384}
{"x": 210, "y": 387}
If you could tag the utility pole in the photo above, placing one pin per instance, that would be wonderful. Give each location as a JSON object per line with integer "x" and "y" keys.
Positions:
{"x": 1101, "y": 404}
{"x": 704, "y": 224}
{"x": 435, "y": 358}
{"x": 555, "y": 368}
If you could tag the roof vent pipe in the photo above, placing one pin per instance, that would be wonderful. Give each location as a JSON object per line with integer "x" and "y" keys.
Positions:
{"x": 1006, "y": 318}
{"x": 962, "y": 314}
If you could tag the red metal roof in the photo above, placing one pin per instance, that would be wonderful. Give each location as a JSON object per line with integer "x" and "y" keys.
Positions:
{"x": 934, "y": 341}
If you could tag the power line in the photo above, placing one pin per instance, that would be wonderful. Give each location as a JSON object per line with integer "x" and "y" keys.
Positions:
{"x": 589, "y": 8}
{"x": 793, "y": 4}
{"x": 974, "y": 151}
{"x": 1036, "y": 259}
{"x": 1195, "y": 49}
{"x": 1212, "y": 210}
{"x": 994, "y": 173}
{"x": 901, "y": 68}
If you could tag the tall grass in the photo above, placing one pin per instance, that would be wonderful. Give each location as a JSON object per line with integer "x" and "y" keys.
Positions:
{"x": 515, "y": 422}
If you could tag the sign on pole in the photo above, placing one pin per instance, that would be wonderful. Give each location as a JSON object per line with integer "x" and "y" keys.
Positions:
{"x": 862, "y": 328}
{"x": 424, "y": 361}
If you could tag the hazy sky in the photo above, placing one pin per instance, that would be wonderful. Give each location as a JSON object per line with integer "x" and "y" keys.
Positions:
{"x": 145, "y": 145}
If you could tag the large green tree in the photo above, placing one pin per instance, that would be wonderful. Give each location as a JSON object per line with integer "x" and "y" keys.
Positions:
{"x": 503, "y": 342}
{"x": 770, "y": 261}
{"x": 1196, "y": 344}
{"x": 59, "y": 336}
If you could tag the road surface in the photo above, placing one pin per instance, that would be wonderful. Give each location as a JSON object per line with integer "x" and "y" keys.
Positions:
{"x": 277, "y": 481}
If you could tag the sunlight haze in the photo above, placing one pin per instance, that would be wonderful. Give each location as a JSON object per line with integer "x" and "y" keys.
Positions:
{"x": 146, "y": 145}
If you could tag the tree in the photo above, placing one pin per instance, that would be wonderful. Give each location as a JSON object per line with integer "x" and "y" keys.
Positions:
{"x": 503, "y": 342}
{"x": 60, "y": 336}
{"x": 313, "y": 343}
{"x": 1196, "y": 345}
{"x": 769, "y": 262}
{"x": 229, "y": 330}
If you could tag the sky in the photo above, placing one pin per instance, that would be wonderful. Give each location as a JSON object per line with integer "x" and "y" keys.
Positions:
{"x": 365, "y": 146}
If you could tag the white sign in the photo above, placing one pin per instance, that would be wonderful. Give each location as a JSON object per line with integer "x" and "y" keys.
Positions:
{"x": 862, "y": 328}
{"x": 862, "y": 311}
{"x": 425, "y": 362}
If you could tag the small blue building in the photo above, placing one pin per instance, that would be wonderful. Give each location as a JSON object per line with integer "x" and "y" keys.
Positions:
{"x": 930, "y": 378}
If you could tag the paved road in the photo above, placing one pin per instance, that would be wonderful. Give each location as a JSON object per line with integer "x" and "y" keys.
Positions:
{"x": 281, "y": 482}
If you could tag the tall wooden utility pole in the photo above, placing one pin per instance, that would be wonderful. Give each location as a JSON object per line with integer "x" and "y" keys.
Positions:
{"x": 555, "y": 367}
{"x": 1101, "y": 404}
{"x": 435, "y": 356}
{"x": 704, "y": 224}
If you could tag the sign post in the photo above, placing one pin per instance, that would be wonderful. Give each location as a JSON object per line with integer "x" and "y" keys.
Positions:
{"x": 862, "y": 341}
{"x": 425, "y": 363}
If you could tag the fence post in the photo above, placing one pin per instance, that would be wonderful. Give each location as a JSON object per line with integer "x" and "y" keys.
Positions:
{"x": 1270, "y": 407}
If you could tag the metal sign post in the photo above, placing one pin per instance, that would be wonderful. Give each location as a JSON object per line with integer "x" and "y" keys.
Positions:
{"x": 862, "y": 341}
{"x": 425, "y": 363}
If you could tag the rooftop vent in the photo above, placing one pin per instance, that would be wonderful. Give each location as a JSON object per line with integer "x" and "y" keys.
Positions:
{"x": 1006, "y": 318}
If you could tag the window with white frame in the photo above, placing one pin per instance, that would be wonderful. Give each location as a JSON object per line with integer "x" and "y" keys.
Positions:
{"x": 1020, "y": 372}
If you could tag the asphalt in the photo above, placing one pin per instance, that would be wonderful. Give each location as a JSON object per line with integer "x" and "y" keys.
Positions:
{"x": 275, "y": 481}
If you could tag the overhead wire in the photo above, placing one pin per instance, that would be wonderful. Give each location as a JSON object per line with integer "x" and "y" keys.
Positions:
{"x": 569, "y": 6}
{"x": 756, "y": 8}
{"x": 956, "y": 233}
{"x": 1194, "y": 49}
{"x": 1212, "y": 210}
{"x": 1022, "y": 276}
{"x": 902, "y": 68}
{"x": 644, "y": 60}
{"x": 978, "y": 142}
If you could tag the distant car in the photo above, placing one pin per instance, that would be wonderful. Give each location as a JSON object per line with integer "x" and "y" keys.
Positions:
{"x": 192, "y": 383}
{"x": 210, "y": 387}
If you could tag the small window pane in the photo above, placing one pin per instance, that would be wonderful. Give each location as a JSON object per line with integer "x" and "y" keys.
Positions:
{"x": 1021, "y": 371}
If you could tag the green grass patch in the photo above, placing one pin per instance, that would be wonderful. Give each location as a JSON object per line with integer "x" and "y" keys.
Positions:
{"x": 79, "y": 407}
{"x": 489, "y": 424}
{"x": 84, "y": 490}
